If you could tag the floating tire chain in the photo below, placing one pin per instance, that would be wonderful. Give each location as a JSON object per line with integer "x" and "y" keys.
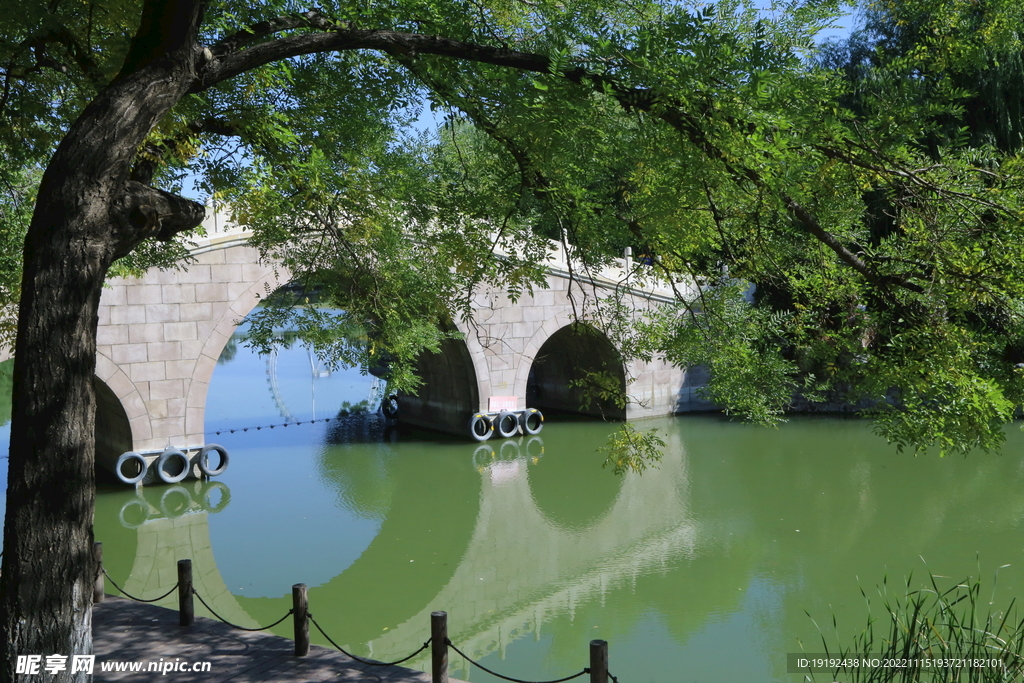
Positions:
{"x": 507, "y": 423}
{"x": 172, "y": 465}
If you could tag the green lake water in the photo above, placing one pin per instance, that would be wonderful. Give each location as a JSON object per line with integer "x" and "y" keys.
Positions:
{"x": 700, "y": 570}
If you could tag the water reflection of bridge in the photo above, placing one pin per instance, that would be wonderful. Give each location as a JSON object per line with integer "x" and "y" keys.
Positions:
{"x": 521, "y": 551}
{"x": 172, "y": 523}
{"x": 526, "y": 564}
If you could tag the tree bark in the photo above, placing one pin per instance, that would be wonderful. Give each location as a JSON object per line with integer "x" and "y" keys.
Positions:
{"x": 87, "y": 214}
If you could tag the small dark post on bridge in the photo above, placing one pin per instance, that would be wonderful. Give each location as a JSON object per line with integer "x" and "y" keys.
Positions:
{"x": 97, "y": 586}
{"x": 300, "y": 606}
{"x": 599, "y": 661}
{"x": 439, "y": 647}
{"x": 186, "y": 610}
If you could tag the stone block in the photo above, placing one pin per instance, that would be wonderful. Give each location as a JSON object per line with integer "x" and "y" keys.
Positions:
{"x": 241, "y": 254}
{"x": 147, "y": 332}
{"x": 243, "y": 303}
{"x": 157, "y": 408}
{"x": 204, "y": 328}
{"x": 535, "y": 314}
{"x": 146, "y": 372}
{"x": 180, "y": 331}
{"x": 144, "y": 294}
{"x": 114, "y": 295}
{"x": 511, "y": 314}
{"x": 237, "y": 289}
{"x": 176, "y": 406}
{"x": 191, "y": 349}
{"x": 177, "y": 294}
{"x": 162, "y": 313}
{"x": 215, "y": 344}
{"x": 127, "y": 315}
{"x": 204, "y": 368}
{"x": 134, "y": 406}
{"x": 196, "y": 311}
{"x": 112, "y": 334}
{"x": 172, "y": 428}
{"x": 195, "y": 419}
{"x": 128, "y": 353}
{"x": 215, "y": 291}
{"x": 167, "y": 388}
{"x": 103, "y": 315}
{"x": 179, "y": 369}
{"x": 254, "y": 272}
{"x": 105, "y": 368}
{"x": 544, "y": 297}
{"x": 228, "y": 272}
{"x": 168, "y": 350}
{"x": 164, "y": 277}
{"x": 196, "y": 395}
{"x": 141, "y": 430}
{"x": 120, "y": 384}
{"x": 196, "y": 274}
{"x": 212, "y": 257}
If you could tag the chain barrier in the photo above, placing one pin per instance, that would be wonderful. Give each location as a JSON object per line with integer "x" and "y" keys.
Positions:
{"x": 132, "y": 597}
{"x": 342, "y": 650}
{"x": 360, "y": 659}
{"x": 283, "y": 424}
{"x": 514, "y": 680}
{"x": 240, "y": 628}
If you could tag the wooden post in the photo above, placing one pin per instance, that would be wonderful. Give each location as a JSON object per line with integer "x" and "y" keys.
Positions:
{"x": 439, "y": 647}
{"x": 186, "y": 611}
{"x": 599, "y": 661}
{"x": 300, "y": 604}
{"x": 97, "y": 586}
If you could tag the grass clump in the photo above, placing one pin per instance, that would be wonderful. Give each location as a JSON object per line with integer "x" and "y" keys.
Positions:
{"x": 933, "y": 635}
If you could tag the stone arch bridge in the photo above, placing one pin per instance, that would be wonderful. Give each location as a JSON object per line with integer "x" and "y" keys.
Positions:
{"x": 160, "y": 335}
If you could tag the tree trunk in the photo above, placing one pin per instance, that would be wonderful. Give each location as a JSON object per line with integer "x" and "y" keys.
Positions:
{"x": 88, "y": 213}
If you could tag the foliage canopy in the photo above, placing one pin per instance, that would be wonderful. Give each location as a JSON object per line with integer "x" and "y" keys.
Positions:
{"x": 865, "y": 194}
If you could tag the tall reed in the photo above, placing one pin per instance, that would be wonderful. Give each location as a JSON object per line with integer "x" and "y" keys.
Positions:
{"x": 950, "y": 627}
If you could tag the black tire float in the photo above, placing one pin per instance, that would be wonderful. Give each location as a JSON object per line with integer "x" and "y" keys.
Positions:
{"x": 506, "y": 424}
{"x": 480, "y": 427}
{"x": 532, "y": 421}
{"x": 170, "y": 476}
{"x": 204, "y": 459}
{"x": 389, "y": 406}
{"x": 134, "y": 457}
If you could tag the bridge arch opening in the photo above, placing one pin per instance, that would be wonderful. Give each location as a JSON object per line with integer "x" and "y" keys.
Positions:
{"x": 578, "y": 370}
{"x": 113, "y": 431}
{"x": 449, "y": 394}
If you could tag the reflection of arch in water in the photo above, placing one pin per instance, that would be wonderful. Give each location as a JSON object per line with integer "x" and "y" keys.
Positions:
{"x": 554, "y": 485}
{"x": 523, "y": 569}
{"x": 364, "y": 475}
{"x": 159, "y": 526}
{"x": 572, "y": 368}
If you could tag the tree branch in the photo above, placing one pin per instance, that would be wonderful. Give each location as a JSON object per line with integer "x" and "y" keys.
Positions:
{"x": 393, "y": 42}
{"x": 146, "y": 211}
{"x": 311, "y": 19}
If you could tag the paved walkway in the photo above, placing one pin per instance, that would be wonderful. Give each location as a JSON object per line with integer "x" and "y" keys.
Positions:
{"x": 127, "y": 631}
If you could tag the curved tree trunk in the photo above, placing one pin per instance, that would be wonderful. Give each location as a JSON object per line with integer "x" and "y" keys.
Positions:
{"x": 89, "y": 212}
